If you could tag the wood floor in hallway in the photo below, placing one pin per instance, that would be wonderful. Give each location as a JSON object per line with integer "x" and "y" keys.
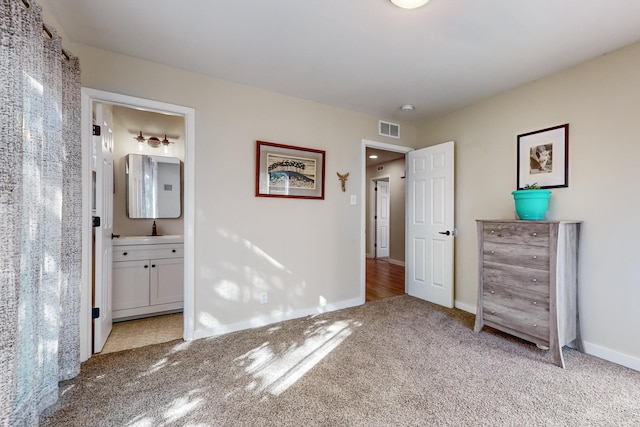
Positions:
{"x": 384, "y": 279}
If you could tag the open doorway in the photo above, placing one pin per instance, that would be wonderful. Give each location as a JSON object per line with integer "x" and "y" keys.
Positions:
{"x": 137, "y": 118}
{"x": 384, "y": 223}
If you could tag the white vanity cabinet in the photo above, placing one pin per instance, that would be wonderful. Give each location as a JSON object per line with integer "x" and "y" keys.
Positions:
{"x": 148, "y": 276}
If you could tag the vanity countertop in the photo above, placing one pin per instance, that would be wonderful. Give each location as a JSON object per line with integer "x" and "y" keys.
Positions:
{"x": 148, "y": 240}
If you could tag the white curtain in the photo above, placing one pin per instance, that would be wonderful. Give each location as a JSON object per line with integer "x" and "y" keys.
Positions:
{"x": 40, "y": 214}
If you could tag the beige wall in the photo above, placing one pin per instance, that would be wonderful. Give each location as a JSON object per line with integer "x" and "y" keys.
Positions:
{"x": 601, "y": 102}
{"x": 305, "y": 253}
{"x": 126, "y": 123}
{"x": 395, "y": 171}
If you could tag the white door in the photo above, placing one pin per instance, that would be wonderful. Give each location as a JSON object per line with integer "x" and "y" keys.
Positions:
{"x": 382, "y": 219}
{"x": 103, "y": 147}
{"x": 430, "y": 227}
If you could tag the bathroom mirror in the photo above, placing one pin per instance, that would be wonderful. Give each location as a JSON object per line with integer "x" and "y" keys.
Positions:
{"x": 153, "y": 186}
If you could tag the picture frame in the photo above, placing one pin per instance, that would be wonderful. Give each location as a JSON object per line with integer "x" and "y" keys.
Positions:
{"x": 543, "y": 158}
{"x": 289, "y": 171}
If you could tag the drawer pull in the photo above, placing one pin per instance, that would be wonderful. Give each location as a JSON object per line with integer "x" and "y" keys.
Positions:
{"x": 153, "y": 265}
{"x": 535, "y": 280}
{"x": 146, "y": 266}
{"x": 124, "y": 253}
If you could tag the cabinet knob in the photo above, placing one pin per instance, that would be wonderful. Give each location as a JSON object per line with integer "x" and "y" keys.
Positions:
{"x": 493, "y": 312}
{"x": 492, "y": 252}
{"x": 535, "y": 257}
{"x": 153, "y": 265}
{"x": 493, "y": 231}
{"x": 535, "y": 326}
{"x": 173, "y": 250}
{"x": 535, "y": 303}
{"x": 535, "y": 234}
{"x": 493, "y": 292}
{"x": 146, "y": 266}
{"x": 124, "y": 253}
{"x": 535, "y": 280}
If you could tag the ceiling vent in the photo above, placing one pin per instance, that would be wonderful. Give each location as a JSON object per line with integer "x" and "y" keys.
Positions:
{"x": 389, "y": 129}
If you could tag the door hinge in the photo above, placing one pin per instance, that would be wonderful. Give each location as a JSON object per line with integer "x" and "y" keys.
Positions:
{"x": 95, "y": 221}
{"x": 375, "y": 245}
{"x": 96, "y": 130}
{"x": 95, "y": 312}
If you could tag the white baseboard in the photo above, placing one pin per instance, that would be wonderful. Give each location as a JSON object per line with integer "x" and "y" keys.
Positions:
{"x": 396, "y": 262}
{"x": 612, "y": 355}
{"x": 268, "y": 320}
{"x": 465, "y": 307}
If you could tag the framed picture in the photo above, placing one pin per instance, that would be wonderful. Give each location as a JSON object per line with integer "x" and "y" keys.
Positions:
{"x": 543, "y": 157}
{"x": 288, "y": 171}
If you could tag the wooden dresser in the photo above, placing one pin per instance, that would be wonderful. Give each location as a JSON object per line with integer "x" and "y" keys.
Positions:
{"x": 528, "y": 281}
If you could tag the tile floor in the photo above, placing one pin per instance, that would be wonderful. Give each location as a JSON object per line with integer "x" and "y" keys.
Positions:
{"x": 141, "y": 332}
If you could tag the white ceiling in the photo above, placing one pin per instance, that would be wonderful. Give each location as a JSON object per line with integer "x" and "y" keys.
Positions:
{"x": 362, "y": 55}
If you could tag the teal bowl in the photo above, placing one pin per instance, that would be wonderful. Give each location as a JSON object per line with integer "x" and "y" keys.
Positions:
{"x": 531, "y": 205}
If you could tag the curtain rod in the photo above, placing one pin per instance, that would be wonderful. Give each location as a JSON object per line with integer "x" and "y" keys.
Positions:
{"x": 66, "y": 55}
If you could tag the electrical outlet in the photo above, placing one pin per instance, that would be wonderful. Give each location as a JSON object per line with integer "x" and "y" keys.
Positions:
{"x": 264, "y": 298}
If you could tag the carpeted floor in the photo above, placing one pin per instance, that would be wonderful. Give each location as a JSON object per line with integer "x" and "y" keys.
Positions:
{"x": 396, "y": 361}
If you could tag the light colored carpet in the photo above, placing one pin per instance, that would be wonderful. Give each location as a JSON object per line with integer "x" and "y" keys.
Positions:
{"x": 143, "y": 332}
{"x": 397, "y": 361}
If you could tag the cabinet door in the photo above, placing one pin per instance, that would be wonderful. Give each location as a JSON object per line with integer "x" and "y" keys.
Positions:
{"x": 167, "y": 281}
{"x": 130, "y": 284}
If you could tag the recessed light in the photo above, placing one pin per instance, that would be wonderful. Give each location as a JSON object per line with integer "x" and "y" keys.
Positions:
{"x": 407, "y": 107}
{"x": 409, "y": 4}
{"x": 373, "y": 156}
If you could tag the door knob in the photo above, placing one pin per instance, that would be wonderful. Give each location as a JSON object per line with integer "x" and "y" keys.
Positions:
{"x": 446, "y": 233}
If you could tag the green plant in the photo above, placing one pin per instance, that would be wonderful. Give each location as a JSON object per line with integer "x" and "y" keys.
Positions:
{"x": 533, "y": 186}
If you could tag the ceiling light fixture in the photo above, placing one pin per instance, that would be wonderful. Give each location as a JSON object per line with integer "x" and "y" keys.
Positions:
{"x": 407, "y": 107}
{"x": 409, "y": 4}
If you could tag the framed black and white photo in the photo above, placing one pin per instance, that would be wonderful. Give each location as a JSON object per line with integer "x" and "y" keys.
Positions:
{"x": 289, "y": 171}
{"x": 543, "y": 157}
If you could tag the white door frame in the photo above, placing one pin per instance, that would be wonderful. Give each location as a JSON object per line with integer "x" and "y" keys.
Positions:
{"x": 88, "y": 96}
{"x": 363, "y": 209}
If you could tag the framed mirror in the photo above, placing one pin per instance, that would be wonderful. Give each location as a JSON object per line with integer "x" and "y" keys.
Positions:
{"x": 153, "y": 186}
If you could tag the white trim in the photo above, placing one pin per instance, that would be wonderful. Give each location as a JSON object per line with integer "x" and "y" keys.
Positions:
{"x": 465, "y": 307}
{"x": 396, "y": 262}
{"x": 363, "y": 209}
{"x": 257, "y": 322}
{"x": 612, "y": 355}
{"x": 89, "y": 95}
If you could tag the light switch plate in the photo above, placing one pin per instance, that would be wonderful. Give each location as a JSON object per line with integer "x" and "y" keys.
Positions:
{"x": 354, "y": 199}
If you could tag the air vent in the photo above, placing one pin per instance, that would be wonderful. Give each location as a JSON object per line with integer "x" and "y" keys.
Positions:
{"x": 389, "y": 129}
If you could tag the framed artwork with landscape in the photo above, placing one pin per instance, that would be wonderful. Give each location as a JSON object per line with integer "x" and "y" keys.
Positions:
{"x": 543, "y": 157}
{"x": 289, "y": 171}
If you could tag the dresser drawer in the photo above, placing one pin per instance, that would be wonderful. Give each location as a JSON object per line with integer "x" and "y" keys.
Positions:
{"x": 519, "y": 233}
{"x": 526, "y": 256}
{"x": 534, "y": 320}
{"x": 514, "y": 276}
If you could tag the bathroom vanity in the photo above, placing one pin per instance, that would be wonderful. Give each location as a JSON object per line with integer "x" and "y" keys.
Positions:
{"x": 148, "y": 276}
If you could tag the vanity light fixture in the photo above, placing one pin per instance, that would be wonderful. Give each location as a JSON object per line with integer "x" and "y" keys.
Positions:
{"x": 153, "y": 141}
{"x": 373, "y": 156}
{"x": 409, "y": 4}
